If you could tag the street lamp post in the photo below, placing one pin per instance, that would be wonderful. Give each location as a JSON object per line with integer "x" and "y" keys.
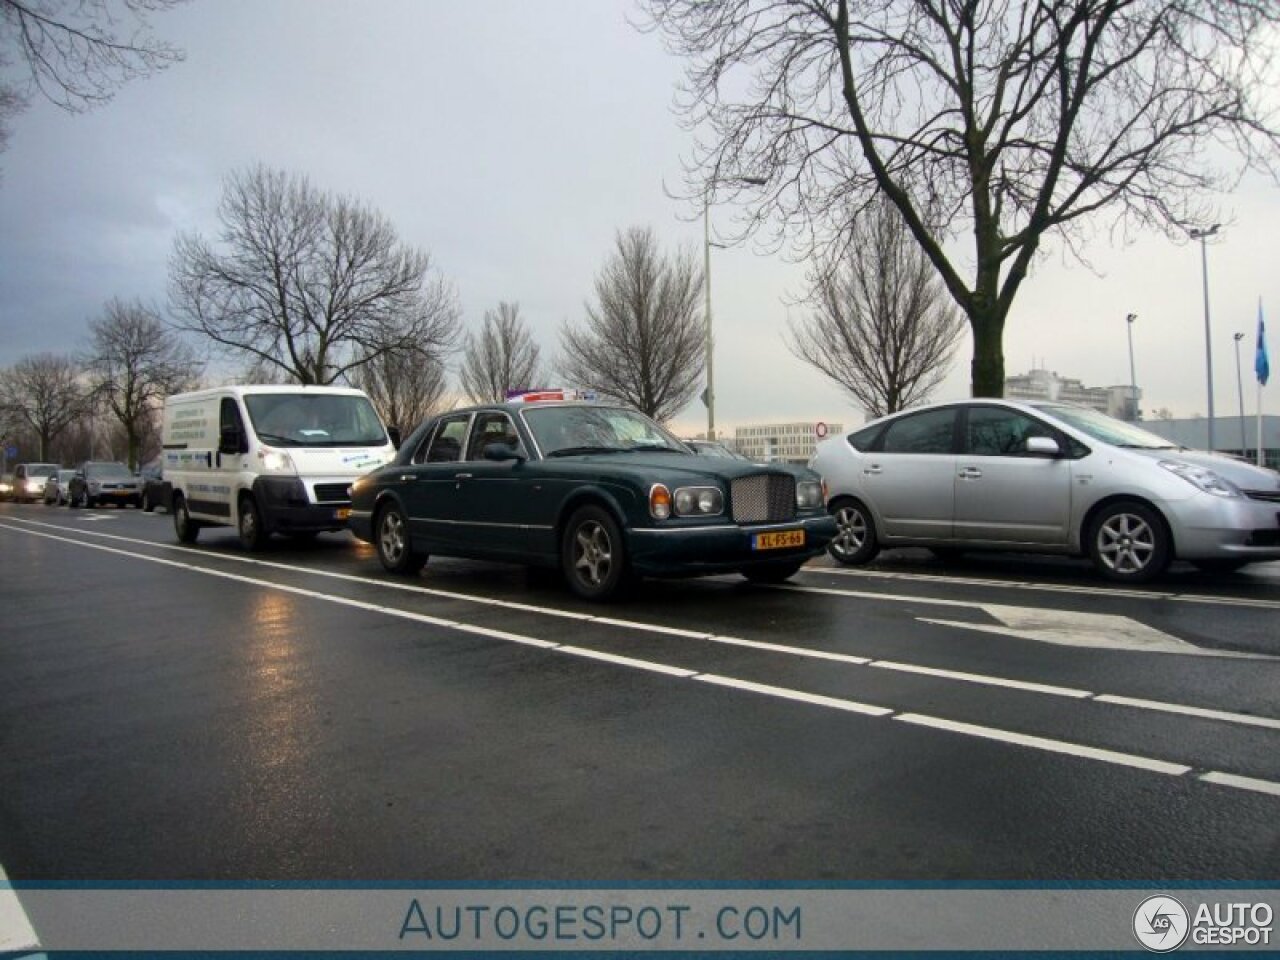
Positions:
{"x": 706, "y": 283}
{"x": 1237, "y": 337}
{"x": 1133, "y": 377}
{"x": 1201, "y": 235}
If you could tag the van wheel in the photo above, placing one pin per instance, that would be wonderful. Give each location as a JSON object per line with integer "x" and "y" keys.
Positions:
{"x": 186, "y": 528}
{"x": 146, "y": 503}
{"x": 395, "y": 548}
{"x": 252, "y": 535}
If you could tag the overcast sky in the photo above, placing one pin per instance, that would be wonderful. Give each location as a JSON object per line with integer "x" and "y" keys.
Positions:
{"x": 511, "y": 140}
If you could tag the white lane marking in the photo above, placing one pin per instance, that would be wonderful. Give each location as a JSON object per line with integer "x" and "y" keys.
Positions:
{"x": 1246, "y": 719}
{"x": 786, "y": 693}
{"x": 989, "y": 681}
{"x": 627, "y": 661}
{"x": 1100, "y": 631}
{"x": 1043, "y": 743}
{"x": 792, "y": 651}
{"x": 1242, "y": 783}
{"x": 1100, "y": 590}
{"x": 1225, "y": 716}
{"x": 16, "y": 933}
{"x": 849, "y": 706}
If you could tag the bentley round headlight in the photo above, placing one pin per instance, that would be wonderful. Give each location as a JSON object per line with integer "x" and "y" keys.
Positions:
{"x": 698, "y": 501}
{"x": 808, "y": 495}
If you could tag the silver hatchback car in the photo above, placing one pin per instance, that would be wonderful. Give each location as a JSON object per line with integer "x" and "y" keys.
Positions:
{"x": 1044, "y": 478}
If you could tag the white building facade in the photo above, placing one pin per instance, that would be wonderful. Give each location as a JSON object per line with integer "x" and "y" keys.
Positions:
{"x": 1040, "y": 384}
{"x": 788, "y": 442}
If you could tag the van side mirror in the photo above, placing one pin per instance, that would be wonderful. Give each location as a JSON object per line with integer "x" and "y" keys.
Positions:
{"x": 231, "y": 441}
{"x": 393, "y": 434}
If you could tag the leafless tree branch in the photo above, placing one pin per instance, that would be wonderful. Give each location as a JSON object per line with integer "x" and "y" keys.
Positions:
{"x": 643, "y": 337}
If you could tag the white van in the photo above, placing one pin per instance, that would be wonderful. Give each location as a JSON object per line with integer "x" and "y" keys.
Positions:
{"x": 268, "y": 459}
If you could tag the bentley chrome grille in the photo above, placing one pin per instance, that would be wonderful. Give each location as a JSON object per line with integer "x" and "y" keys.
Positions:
{"x": 763, "y": 498}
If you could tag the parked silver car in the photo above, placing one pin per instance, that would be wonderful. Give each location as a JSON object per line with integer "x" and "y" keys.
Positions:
{"x": 1044, "y": 478}
{"x": 57, "y": 488}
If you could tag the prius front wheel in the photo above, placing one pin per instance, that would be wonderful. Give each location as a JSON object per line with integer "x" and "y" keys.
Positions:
{"x": 1128, "y": 542}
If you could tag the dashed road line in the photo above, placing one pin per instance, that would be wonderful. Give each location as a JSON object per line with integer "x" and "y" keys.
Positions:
{"x": 1083, "y": 751}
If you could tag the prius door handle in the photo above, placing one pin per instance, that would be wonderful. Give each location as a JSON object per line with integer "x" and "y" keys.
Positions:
{"x": 970, "y": 473}
{"x": 873, "y": 470}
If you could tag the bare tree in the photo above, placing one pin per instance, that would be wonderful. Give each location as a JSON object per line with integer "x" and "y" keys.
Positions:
{"x": 1004, "y": 121}
{"x": 134, "y": 362}
{"x": 883, "y": 327}
{"x": 309, "y": 282}
{"x": 503, "y": 357}
{"x": 642, "y": 342}
{"x": 44, "y": 394}
{"x": 405, "y": 387}
{"x": 76, "y": 53}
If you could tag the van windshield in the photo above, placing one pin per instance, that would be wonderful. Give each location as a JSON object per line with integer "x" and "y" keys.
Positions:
{"x": 315, "y": 420}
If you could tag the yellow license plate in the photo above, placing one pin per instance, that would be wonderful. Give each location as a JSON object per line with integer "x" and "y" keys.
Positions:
{"x": 342, "y": 513}
{"x": 778, "y": 540}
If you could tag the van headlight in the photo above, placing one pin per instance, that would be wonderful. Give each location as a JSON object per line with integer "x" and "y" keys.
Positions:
{"x": 1202, "y": 479}
{"x": 277, "y": 461}
{"x": 809, "y": 495}
{"x": 698, "y": 501}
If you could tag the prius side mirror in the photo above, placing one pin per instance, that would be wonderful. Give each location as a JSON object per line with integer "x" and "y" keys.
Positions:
{"x": 1043, "y": 447}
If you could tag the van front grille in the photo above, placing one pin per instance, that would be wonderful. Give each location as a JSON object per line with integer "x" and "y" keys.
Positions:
{"x": 332, "y": 493}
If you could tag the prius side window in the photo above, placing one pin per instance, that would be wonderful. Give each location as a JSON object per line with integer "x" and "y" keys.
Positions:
{"x": 929, "y": 432}
{"x": 996, "y": 432}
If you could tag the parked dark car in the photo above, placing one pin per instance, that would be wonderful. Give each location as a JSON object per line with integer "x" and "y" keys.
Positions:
{"x": 99, "y": 481}
{"x": 600, "y": 491}
{"x": 156, "y": 491}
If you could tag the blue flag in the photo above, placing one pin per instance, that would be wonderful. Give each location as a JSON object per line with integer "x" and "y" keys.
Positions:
{"x": 1261, "y": 365}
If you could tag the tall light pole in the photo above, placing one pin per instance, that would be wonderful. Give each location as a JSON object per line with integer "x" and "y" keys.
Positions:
{"x": 706, "y": 283}
{"x": 1201, "y": 235}
{"x": 1133, "y": 377}
{"x": 1237, "y": 337}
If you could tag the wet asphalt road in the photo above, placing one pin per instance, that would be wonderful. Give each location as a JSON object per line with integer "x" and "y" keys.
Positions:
{"x": 173, "y": 713}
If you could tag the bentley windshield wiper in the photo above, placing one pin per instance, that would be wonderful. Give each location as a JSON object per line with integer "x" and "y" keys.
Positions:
{"x": 577, "y": 451}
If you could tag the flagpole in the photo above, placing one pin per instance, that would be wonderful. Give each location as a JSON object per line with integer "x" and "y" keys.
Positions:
{"x": 1260, "y": 457}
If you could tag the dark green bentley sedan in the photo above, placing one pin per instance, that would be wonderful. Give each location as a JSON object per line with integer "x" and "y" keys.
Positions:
{"x": 599, "y": 490}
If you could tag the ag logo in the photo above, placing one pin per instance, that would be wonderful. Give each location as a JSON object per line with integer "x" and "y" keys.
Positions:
{"x": 1161, "y": 923}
